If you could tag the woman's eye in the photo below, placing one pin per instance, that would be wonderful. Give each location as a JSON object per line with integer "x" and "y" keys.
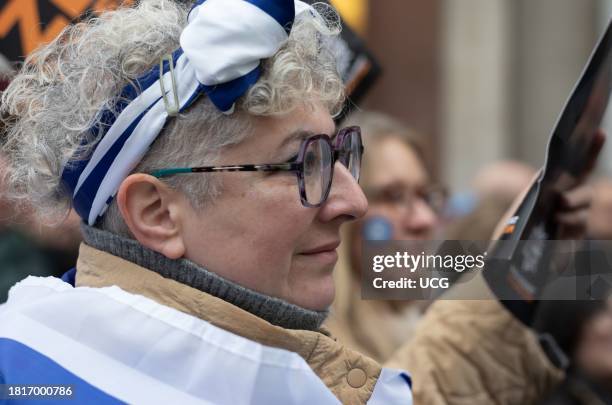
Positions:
{"x": 292, "y": 159}
{"x": 394, "y": 195}
{"x": 310, "y": 160}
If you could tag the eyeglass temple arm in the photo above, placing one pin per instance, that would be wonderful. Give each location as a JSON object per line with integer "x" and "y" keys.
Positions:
{"x": 274, "y": 167}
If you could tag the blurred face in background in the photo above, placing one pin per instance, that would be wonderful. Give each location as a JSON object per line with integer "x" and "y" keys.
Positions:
{"x": 397, "y": 186}
{"x": 399, "y": 192}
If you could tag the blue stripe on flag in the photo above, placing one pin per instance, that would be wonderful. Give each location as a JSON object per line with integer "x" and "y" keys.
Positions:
{"x": 283, "y": 11}
{"x": 224, "y": 95}
{"x": 84, "y": 199}
{"x": 131, "y": 91}
{"x": 201, "y": 89}
{"x": 69, "y": 277}
{"x": 71, "y": 173}
{"x": 407, "y": 378}
{"x": 20, "y": 364}
{"x": 73, "y": 169}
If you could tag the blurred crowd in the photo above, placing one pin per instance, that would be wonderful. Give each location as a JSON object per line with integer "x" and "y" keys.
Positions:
{"x": 403, "y": 195}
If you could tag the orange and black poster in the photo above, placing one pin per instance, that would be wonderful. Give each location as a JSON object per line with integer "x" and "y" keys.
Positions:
{"x": 25, "y": 24}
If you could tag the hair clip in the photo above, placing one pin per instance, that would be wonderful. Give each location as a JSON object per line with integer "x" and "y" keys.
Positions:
{"x": 172, "y": 110}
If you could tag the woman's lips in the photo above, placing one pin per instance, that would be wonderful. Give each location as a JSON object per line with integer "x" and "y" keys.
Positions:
{"x": 326, "y": 256}
{"x": 324, "y": 253}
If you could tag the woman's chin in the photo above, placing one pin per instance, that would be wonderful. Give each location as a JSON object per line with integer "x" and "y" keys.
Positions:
{"x": 316, "y": 296}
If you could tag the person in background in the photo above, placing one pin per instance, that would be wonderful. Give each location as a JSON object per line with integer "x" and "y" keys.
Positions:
{"x": 28, "y": 246}
{"x": 600, "y": 216}
{"x": 504, "y": 179}
{"x": 401, "y": 333}
{"x": 583, "y": 331}
{"x": 404, "y": 204}
{"x": 474, "y": 214}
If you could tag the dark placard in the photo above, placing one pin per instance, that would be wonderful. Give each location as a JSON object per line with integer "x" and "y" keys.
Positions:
{"x": 520, "y": 273}
{"x": 356, "y": 64}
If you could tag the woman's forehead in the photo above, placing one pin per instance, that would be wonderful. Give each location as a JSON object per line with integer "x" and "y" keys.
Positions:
{"x": 282, "y": 132}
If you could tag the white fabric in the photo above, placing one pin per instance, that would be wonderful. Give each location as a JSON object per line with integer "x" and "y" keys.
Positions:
{"x": 226, "y": 39}
{"x": 391, "y": 388}
{"x": 142, "y": 352}
{"x": 139, "y": 351}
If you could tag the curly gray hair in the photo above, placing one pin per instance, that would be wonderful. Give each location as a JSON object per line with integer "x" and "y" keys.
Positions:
{"x": 55, "y": 99}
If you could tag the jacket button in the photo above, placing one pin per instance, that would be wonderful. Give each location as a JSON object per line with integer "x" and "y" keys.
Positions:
{"x": 356, "y": 378}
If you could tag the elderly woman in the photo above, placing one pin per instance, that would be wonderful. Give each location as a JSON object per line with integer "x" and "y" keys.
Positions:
{"x": 197, "y": 145}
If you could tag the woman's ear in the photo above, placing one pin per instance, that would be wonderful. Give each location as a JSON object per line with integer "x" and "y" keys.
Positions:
{"x": 152, "y": 211}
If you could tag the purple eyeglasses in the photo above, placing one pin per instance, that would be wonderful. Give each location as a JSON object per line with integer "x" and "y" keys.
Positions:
{"x": 314, "y": 165}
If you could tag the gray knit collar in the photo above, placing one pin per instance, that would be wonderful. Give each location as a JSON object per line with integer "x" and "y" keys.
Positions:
{"x": 274, "y": 310}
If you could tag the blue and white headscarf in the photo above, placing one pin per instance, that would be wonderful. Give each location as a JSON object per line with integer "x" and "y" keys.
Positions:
{"x": 220, "y": 56}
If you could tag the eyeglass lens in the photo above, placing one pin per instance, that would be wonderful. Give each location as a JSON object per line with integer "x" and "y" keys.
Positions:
{"x": 317, "y": 170}
{"x": 318, "y": 167}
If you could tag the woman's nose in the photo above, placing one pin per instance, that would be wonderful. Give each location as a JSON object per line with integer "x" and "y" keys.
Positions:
{"x": 345, "y": 197}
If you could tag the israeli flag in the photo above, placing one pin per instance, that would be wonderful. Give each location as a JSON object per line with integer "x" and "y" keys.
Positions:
{"x": 111, "y": 346}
